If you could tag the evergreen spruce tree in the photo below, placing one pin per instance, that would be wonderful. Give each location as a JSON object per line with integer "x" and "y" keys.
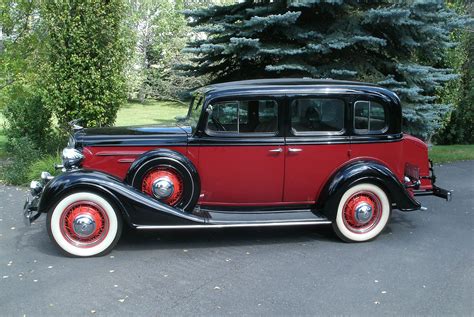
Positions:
{"x": 395, "y": 44}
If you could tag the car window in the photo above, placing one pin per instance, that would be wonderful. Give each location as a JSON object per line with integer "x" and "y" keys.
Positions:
{"x": 249, "y": 116}
{"x": 317, "y": 115}
{"x": 194, "y": 111}
{"x": 369, "y": 117}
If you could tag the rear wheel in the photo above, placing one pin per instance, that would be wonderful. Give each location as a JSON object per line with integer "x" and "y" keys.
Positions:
{"x": 362, "y": 213}
{"x": 84, "y": 224}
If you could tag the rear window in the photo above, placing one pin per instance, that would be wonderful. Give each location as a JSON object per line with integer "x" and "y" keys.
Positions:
{"x": 369, "y": 117}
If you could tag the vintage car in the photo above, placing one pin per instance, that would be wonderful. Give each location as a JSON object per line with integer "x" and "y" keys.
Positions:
{"x": 276, "y": 152}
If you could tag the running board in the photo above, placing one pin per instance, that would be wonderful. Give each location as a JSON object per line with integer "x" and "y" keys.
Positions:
{"x": 235, "y": 219}
{"x": 238, "y": 225}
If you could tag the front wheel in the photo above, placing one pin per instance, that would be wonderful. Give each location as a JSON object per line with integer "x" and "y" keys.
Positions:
{"x": 362, "y": 213}
{"x": 84, "y": 224}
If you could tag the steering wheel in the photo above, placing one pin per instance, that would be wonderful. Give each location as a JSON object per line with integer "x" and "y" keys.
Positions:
{"x": 218, "y": 124}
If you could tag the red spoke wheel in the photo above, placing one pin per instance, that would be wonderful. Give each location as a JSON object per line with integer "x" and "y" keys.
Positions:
{"x": 164, "y": 183}
{"x": 84, "y": 224}
{"x": 168, "y": 177}
{"x": 362, "y": 211}
{"x": 362, "y": 214}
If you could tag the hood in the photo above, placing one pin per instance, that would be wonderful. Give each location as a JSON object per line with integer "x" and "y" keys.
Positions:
{"x": 133, "y": 136}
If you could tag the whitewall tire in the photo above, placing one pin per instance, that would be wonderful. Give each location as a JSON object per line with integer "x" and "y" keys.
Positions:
{"x": 84, "y": 224}
{"x": 362, "y": 213}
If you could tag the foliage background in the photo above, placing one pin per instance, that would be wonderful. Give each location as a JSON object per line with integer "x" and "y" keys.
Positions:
{"x": 85, "y": 53}
{"x": 400, "y": 45}
{"x": 62, "y": 60}
{"x": 458, "y": 128}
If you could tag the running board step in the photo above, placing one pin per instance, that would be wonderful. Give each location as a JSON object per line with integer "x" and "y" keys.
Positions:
{"x": 216, "y": 219}
{"x": 288, "y": 216}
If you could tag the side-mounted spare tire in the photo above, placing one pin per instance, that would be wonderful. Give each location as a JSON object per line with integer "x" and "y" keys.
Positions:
{"x": 167, "y": 176}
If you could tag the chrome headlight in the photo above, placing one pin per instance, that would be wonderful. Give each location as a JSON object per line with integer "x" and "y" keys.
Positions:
{"x": 35, "y": 188}
{"x": 72, "y": 157}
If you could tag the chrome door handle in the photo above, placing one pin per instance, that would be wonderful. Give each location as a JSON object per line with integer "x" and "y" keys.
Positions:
{"x": 279, "y": 150}
{"x": 294, "y": 150}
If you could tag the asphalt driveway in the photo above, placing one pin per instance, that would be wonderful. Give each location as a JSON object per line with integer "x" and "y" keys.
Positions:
{"x": 422, "y": 264}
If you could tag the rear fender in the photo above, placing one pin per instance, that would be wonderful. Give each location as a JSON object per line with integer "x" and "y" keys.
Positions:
{"x": 364, "y": 171}
{"x": 137, "y": 208}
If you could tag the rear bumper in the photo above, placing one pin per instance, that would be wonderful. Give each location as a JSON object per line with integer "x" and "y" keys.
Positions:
{"x": 435, "y": 190}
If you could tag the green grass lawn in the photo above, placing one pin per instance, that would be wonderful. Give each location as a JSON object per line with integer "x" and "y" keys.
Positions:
{"x": 451, "y": 153}
{"x": 151, "y": 112}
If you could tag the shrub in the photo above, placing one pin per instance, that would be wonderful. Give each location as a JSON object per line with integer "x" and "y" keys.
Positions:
{"x": 26, "y": 116}
{"x": 44, "y": 164}
{"x": 459, "y": 128}
{"x": 23, "y": 153}
{"x": 86, "y": 52}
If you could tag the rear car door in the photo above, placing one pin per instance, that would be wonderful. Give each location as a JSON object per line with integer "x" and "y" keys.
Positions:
{"x": 241, "y": 153}
{"x": 317, "y": 144}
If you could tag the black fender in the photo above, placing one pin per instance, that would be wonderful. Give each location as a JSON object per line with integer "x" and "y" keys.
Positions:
{"x": 150, "y": 159}
{"x": 136, "y": 207}
{"x": 364, "y": 171}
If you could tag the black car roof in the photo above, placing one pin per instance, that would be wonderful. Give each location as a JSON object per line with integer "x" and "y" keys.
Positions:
{"x": 286, "y": 82}
{"x": 291, "y": 85}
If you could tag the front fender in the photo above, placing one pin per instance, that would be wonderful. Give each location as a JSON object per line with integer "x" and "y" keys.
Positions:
{"x": 364, "y": 171}
{"x": 137, "y": 208}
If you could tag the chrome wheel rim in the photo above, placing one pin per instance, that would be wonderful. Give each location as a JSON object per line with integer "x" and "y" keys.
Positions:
{"x": 362, "y": 212}
{"x": 84, "y": 224}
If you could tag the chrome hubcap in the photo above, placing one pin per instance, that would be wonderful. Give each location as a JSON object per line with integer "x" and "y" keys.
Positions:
{"x": 84, "y": 225}
{"x": 363, "y": 213}
{"x": 162, "y": 188}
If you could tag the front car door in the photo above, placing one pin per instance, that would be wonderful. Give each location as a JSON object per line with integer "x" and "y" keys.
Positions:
{"x": 241, "y": 152}
{"x": 317, "y": 144}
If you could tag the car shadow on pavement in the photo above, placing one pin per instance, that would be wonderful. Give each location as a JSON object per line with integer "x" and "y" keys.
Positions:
{"x": 37, "y": 238}
{"x": 403, "y": 219}
{"x": 214, "y": 238}
{"x": 135, "y": 240}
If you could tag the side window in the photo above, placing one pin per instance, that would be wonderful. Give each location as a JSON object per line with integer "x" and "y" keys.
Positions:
{"x": 369, "y": 117}
{"x": 315, "y": 115}
{"x": 249, "y": 116}
{"x": 224, "y": 117}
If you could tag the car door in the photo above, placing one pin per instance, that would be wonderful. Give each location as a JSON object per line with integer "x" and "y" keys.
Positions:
{"x": 316, "y": 144}
{"x": 241, "y": 152}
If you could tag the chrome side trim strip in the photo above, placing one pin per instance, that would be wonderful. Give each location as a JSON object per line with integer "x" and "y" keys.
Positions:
{"x": 126, "y": 160}
{"x": 119, "y": 153}
{"x": 238, "y": 225}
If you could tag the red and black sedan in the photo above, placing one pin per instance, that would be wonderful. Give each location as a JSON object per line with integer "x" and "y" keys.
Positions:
{"x": 278, "y": 152}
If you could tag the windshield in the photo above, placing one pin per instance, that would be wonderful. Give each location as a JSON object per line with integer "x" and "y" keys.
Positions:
{"x": 194, "y": 112}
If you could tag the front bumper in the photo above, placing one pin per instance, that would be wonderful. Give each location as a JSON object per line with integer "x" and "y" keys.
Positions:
{"x": 30, "y": 209}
